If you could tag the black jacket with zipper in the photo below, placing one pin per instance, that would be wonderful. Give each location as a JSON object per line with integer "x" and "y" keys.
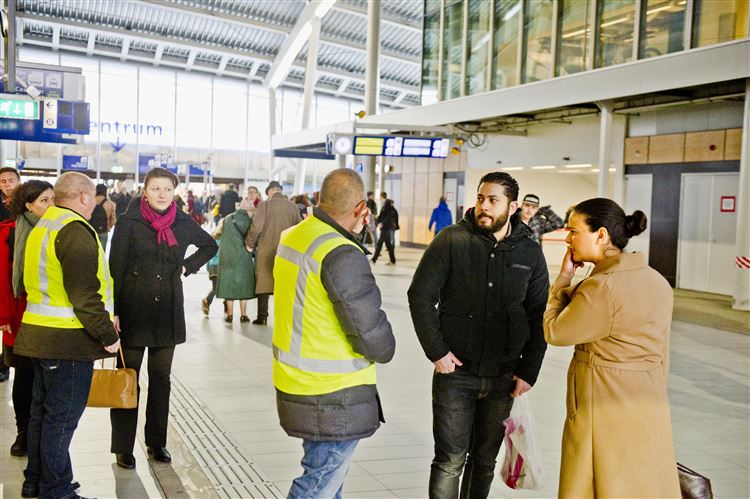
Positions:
{"x": 482, "y": 300}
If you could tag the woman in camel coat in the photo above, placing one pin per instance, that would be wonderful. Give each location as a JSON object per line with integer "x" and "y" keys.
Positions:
{"x": 617, "y": 439}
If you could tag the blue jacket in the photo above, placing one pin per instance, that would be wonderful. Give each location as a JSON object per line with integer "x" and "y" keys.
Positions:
{"x": 441, "y": 217}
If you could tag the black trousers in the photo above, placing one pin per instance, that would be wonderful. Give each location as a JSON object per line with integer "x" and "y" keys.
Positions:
{"x": 23, "y": 393}
{"x": 263, "y": 305}
{"x": 125, "y": 421}
{"x": 387, "y": 236}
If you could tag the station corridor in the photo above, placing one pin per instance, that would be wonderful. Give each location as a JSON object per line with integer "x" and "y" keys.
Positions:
{"x": 226, "y": 441}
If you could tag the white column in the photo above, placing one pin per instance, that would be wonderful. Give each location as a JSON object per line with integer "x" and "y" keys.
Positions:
{"x": 619, "y": 130}
{"x": 372, "y": 82}
{"x": 99, "y": 124}
{"x": 272, "y": 130}
{"x": 137, "y": 124}
{"x": 605, "y": 147}
{"x": 309, "y": 96}
{"x": 742, "y": 287}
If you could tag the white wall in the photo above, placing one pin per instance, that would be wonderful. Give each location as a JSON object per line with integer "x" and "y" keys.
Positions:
{"x": 696, "y": 118}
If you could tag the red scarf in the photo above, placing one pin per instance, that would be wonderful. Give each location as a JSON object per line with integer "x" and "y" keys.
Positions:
{"x": 160, "y": 222}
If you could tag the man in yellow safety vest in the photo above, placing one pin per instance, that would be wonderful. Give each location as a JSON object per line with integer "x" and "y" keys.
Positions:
{"x": 66, "y": 326}
{"x": 329, "y": 331}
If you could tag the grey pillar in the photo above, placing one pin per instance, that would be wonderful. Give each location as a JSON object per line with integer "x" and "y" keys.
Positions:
{"x": 372, "y": 82}
{"x": 605, "y": 147}
{"x": 742, "y": 287}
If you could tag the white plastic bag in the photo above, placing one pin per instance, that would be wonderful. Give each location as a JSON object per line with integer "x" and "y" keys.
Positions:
{"x": 522, "y": 465}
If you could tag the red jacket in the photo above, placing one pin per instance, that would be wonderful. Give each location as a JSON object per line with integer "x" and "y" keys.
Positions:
{"x": 11, "y": 308}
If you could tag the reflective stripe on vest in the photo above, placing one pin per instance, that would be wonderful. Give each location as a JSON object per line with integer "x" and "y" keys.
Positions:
{"x": 47, "y": 301}
{"x": 307, "y": 264}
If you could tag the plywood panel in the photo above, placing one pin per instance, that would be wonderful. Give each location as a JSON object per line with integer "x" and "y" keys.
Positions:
{"x": 704, "y": 146}
{"x": 407, "y": 190}
{"x": 636, "y": 150}
{"x": 733, "y": 144}
{"x": 666, "y": 148}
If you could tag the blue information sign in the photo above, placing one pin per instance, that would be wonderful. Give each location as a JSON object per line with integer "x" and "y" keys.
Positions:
{"x": 75, "y": 163}
{"x": 147, "y": 161}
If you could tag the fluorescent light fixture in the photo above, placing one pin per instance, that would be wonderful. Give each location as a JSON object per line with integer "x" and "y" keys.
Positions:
{"x": 574, "y": 33}
{"x": 545, "y": 167}
{"x": 595, "y": 170}
{"x": 582, "y": 165}
{"x": 512, "y": 168}
{"x": 612, "y": 170}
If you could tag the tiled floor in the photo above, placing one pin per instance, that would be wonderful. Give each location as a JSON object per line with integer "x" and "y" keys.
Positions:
{"x": 228, "y": 369}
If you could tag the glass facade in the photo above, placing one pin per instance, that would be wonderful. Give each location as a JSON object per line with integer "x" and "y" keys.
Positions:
{"x": 717, "y": 21}
{"x": 430, "y": 51}
{"x": 662, "y": 28}
{"x": 480, "y": 16}
{"x": 573, "y": 28}
{"x": 531, "y": 41}
{"x": 453, "y": 49}
{"x": 505, "y": 57}
{"x": 616, "y": 19}
{"x": 537, "y": 41}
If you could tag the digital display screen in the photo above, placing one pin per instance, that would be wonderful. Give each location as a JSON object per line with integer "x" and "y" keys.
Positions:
{"x": 418, "y": 147}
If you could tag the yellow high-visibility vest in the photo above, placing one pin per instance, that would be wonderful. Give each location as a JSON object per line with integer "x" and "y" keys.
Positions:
{"x": 312, "y": 355}
{"x": 47, "y": 301}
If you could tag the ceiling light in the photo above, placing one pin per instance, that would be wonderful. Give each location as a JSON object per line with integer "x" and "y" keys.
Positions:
{"x": 582, "y": 165}
{"x": 512, "y": 168}
{"x": 612, "y": 169}
{"x": 545, "y": 167}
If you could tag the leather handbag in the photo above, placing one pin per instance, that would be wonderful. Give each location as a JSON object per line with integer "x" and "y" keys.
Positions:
{"x": 115, "y": 388}
{"x": 693, "y": 485}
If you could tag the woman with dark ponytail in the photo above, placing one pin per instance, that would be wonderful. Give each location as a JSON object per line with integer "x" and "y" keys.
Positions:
{"x": 617, "y": 439}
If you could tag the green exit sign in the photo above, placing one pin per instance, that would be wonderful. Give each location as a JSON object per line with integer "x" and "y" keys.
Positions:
{"x": 19, "y": 109}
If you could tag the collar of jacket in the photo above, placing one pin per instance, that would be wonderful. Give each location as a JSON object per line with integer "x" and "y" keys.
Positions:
{"x": 619, "y": 263}
{"x": 518, "y": 229}
{"x": 323, "y": 217}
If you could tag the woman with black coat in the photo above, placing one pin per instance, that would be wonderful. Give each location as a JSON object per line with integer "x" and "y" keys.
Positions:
{"x": 146, "y": 259}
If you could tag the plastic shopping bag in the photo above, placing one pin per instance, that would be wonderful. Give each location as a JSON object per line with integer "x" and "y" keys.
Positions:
{"x": 522, "y": 465}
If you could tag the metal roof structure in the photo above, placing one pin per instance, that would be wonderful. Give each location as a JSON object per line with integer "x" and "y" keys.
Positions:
{"x": 236, "y": 38}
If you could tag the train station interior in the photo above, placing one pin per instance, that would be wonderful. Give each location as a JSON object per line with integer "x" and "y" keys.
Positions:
{"x": 644, "y": 102}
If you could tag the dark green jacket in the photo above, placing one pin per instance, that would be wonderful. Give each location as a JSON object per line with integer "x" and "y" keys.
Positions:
{"x": 77, "y": 248}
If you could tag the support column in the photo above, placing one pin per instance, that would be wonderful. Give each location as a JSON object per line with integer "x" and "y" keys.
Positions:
{"x": 9, "y": 63}
{"x": 272, "y": 130}
{"x": 742, "y": 287}
{"x": 605, "y": 147}
{"x": 137, "y": 125}
{"x": 372, "y": 82}
{"x": 309, "y": 96}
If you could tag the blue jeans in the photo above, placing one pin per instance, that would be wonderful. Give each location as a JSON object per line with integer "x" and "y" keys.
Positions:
{"x": 326, "y": 465}
{"x": 467, "y": 413}
{"x": 61, "y": 389}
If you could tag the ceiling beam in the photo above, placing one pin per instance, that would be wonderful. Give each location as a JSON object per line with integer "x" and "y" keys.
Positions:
{"x": 55, "y": 38}
{"x": 222, "y": 65}
{"x": 159, "y": 53}
{"x": 185, "y": 44}
{"x": 91, "y": 44}
{"x": 191, "y": 59}
{"x": 125, "y": 49}
{"x": 384, "y": 19}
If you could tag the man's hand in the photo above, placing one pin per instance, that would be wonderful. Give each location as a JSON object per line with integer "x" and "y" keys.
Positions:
{"x": 114, "y": 347}
{"x": 521, "y": 387}
{"x": 116, "y": 323}
{"x": 249, "y": 248}
{"x": 447, "y": 364}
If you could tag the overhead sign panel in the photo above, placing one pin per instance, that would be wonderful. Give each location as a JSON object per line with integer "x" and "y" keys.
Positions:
{"x": 389, "y": 146}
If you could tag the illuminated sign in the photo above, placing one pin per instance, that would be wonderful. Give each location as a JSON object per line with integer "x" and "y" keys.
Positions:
{"x": 397, "y": 146}
{"x": 12, "y": 107}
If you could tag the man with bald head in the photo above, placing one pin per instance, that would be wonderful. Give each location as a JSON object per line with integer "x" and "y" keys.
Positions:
{"x": 66, "y": 326}
{"x": 329, "y": 331}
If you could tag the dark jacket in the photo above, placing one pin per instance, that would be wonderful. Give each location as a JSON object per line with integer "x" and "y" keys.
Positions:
{"x": 355, "y": 412}
{"x": 148, "y": 286}
{"x": 228, "y": 202}
{"x": 441, "y": 217}
{"x": 490, "y": 299}
{"x": 388, "y": 218}
{"x": 78, "y": 251}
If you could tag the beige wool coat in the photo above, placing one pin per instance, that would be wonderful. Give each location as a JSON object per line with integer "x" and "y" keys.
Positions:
{"x": 617, "y": 439}
{"x": 271, "y": 218}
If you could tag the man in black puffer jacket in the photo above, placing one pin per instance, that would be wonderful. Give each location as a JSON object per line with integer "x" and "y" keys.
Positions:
{"x": 477, "y": 301}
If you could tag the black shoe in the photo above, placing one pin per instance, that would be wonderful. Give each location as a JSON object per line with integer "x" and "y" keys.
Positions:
{"x": 33, "y": 490}
{"x": 18, "y": 449}
{"x": 260, "y": 322}
{"x": 126, "y": 461}
{"x": 4, "y": 375}
{"x": 228, "y": 318}
{"x": 160, "y": 454}
{"x": 244, "y": 318}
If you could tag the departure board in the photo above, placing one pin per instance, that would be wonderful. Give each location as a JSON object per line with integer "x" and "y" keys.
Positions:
{"x": 398, "y": 146}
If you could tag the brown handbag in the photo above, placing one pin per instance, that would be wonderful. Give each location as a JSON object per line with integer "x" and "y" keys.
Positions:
{"x": 693, "y": 485}
{"x": 114, "y": 388}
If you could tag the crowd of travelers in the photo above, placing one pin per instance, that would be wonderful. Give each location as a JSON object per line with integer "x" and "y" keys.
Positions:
{"x": 480, "y": 301}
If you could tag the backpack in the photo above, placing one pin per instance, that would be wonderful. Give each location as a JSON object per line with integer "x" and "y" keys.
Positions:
{"x": 99, "y": 219}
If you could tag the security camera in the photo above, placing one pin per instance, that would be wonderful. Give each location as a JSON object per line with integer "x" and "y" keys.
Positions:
{"x": 33, "y": 92}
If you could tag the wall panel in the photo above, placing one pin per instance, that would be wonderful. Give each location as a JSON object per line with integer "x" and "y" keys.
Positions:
{"x": 733, "y": 144}
{"x": 704, "y": 146}
{"x": 636, "y": 150}
{"x": 666, "y": 148}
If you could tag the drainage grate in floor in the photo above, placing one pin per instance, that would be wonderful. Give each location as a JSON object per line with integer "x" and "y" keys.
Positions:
{"x": 226, "y": 466}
